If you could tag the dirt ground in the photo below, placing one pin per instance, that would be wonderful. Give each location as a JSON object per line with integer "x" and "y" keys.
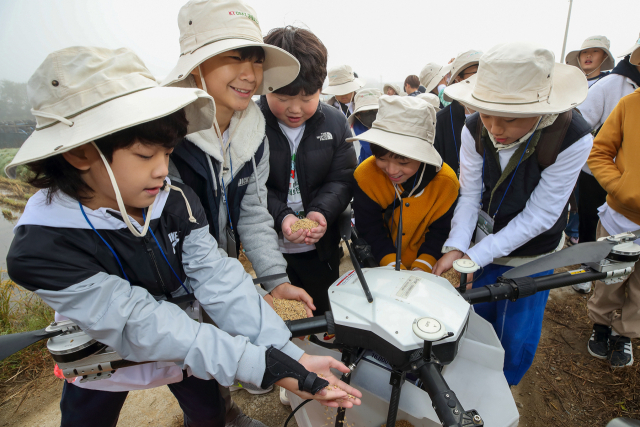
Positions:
{"x": 565, "y": 387}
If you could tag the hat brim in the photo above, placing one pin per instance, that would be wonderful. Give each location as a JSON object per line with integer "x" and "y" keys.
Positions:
{"x": 344, "y": 88}
{"x": 464, "y": 67}
{"x": 362, "y": 108}
{"x": 433, "y": 83}
{"x": 406, "y": 146}
{"x": 113, "y": 116}
{"x": 568, "y": 91}
{"x": 634, "y": 51}
{"x": 572, "y": 58}
{"x": 279, "y": 67}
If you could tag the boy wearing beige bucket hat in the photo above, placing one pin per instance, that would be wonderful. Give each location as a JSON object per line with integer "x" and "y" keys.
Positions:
{"x": 593, "y": 58}
{"x": 601, "y": 100}
{"x": 450, "y": 120}
{"x": 405, "y": 170}
{"x": 227, "y": 165}
{"x": 109, "y": 241}
{"x": 520, "y": 158}
{"x": 366, "y": 108}
{"x": 343, "y": 84}
{"x": 392, "y": 89}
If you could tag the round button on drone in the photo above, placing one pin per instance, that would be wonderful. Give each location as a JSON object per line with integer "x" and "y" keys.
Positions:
{"x": 464, "y": 265}
{"x": 428, "y": 329}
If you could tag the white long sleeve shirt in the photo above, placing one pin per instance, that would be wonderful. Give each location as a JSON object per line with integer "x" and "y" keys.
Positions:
{"x": 544, "y": 207}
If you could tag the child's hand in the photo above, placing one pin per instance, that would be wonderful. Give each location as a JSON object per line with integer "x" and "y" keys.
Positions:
{"x": 288, "y": 291}
{"x": 340, "y": 394}
{"x": 298, "y": 236}
{"x": 446, "y": 262}
{"x": 316, "y": 234}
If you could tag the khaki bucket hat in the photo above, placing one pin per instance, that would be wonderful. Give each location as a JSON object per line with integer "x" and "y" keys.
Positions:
{"x": 208, "y": 28}
{"x": 365, "y": 100}
{"x": 599, "y": 42}
{"x": 462, "y": 61}
{"x": 395, "y": 87}
{"x": 520, "y": 80}
{"x": 432, "y": 74}
{"x": 634, "y": 51}
{"x": 80, "y": 94}
{"x": 431, "y": 99}
{"x": 342, "y": 81}
{"x": 407, "y": 126}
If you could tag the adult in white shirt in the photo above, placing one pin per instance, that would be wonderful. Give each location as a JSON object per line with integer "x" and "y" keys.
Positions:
{"x": 515, "y": 181}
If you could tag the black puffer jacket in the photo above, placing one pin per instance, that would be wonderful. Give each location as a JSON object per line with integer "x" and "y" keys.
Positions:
{"x": 325, "y": 163}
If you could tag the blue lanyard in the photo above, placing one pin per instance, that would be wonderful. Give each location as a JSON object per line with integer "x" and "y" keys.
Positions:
{"x": 512, "y": 176}
{"x": 116, "y": 255}
{"x": 454, "y": 140}
{"x": 224, "y": 189}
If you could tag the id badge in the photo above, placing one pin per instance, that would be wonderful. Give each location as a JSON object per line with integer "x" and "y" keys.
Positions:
{"x": 232, "y": 248}
{"x": 484, "y": 226}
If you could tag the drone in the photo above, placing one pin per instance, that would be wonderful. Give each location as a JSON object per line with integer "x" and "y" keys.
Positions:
{"x": 408, "y": 337}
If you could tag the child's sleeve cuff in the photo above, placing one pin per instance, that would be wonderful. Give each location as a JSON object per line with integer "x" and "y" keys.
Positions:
{"x": 424, "y": 262}
{"x": 390, "y": 261}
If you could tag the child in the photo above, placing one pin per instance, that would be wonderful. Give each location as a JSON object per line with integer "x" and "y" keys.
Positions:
{"x": 405, "y": 169}
{"x": 227, "y": 164}
{"x": 601, "y": 100}
{"x": 311, "y": 165}
{"x": 366, "y": 108}
{"x": 432, "y": 77}
{"x": 593, "y": 58}
{"x": 615, "y": 309}
{"x": 519, "y": 160}
{"x": 108, "y": 242}
{"x": 343, "y": 84}
{"x": 411, "y": 85}
{"x": 450, "y": 120}
{"x": 392, "y": 89}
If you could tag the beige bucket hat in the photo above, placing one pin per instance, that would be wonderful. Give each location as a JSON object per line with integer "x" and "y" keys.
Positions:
{"x": 208, "y": 28}
{"x": 599, "y": 42}
{"x": 634, "y": 51}
{"x": 520, "y": 80}
{"x": 342, "y": 81}
{"x": 365, "y": 100}
{"x": 432, "y": 74}
{"x": 80, "y": 94}
{"x": 395, "y": 87}
{"x": 431, "y": 99}
{"x": 462, "y": 61}
{"x": 406, "y": 126}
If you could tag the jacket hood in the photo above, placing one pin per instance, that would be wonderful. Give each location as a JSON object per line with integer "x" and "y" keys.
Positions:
{"x": 246, "y": 129}
{"x": 624, "y": 68}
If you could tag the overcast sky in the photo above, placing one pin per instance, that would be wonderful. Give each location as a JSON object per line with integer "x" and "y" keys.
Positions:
{"x": 381, "y": 40}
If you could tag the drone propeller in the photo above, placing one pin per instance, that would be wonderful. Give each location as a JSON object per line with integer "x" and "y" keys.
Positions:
{"x": 13, "y": 343}
{"x": 578, "y": 254}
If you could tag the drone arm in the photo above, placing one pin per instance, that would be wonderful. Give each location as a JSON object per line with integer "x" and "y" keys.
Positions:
{"x": 311, "y": 325}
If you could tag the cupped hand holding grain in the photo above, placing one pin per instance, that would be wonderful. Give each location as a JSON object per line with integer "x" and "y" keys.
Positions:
{"x": 292, "y": 236}
{"x": 286, "y": 291}
{"x": 339, "y": 394}
{"x": 316, "y": 233}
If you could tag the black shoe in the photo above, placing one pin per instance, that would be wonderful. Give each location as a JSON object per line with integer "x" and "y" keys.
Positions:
{"x": 621, "y": 352}
{"x": 599, "y": 342}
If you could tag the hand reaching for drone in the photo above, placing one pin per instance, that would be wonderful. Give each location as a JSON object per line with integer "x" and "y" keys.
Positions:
{"x": 338, "y": 394}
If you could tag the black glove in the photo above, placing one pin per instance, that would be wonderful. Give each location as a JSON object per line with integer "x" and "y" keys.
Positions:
{"x": 279, "y": 366}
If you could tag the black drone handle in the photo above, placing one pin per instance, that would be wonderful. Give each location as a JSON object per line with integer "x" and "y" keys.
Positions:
{"x": 311, "y": 325}
{"x": 446, "y": 404}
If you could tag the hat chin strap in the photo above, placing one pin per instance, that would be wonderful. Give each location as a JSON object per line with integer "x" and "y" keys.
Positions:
{"x": 587, "y": 75}
{"x": 121, "y": 207}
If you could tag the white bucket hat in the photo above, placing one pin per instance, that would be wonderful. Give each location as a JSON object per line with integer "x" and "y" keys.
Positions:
{"x": 342, "y": 81}
{"x": 597, "y": 42}
{"x": 634, "y": 51}
{"x": 365, "y": 100}
{"x": 81, "y": 94}
{"x": 405, "y": 126}
{"x": 431, "y": 99}
{"x": 395, "y": 87}
{"x": 208, "y": 28}
{"x": 462, "y": 61}
{"x": 432, "y": 74}
{"x": 520, "y": 80}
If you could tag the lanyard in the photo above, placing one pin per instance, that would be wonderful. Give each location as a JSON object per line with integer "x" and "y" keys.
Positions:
{"x": 224, "y": 189}
{"x": 512, "y": 176}
{"x": 456, "y": 144}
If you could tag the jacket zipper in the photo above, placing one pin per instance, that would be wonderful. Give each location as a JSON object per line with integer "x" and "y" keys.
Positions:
{"x": 153, "y": 259}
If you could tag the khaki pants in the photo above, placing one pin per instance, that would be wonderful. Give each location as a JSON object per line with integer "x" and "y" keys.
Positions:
{"x": 617, "y": 305}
